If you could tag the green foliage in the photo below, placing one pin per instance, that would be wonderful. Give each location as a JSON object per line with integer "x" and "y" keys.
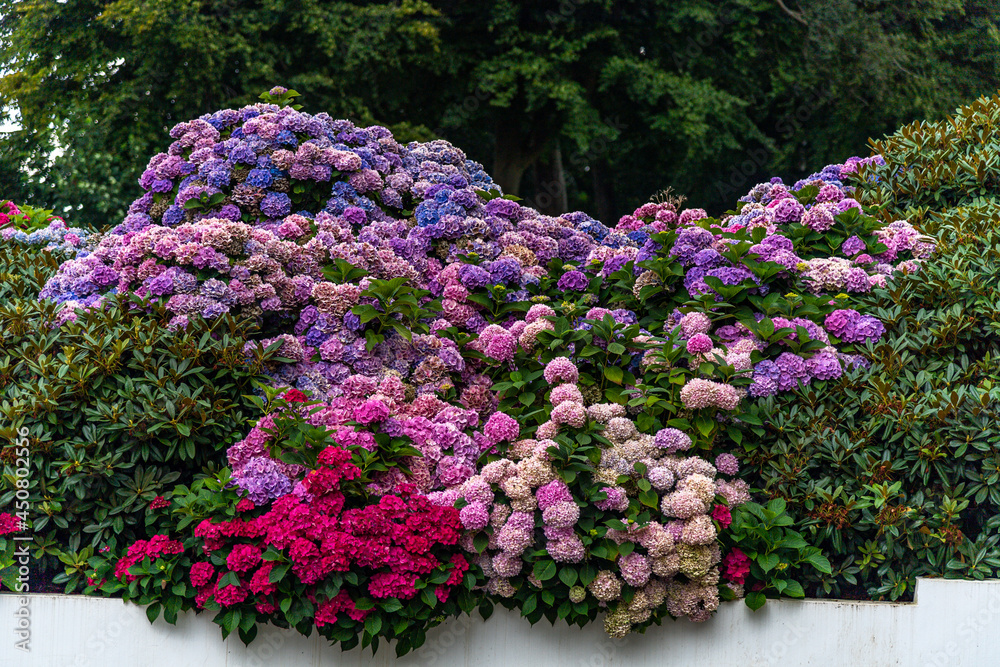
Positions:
{"x": 895, "y": 472}
{"x": 27, "y": 218}
{"x": 775, "y": 550}
{"x": 396, "y": 305}
{"x": 597, "y": 102}
{"x": 118, "y": 407}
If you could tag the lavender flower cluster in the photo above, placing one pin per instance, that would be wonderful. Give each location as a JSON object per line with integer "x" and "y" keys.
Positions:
{"x": 775, "y": 209}
{"x": 57, "y": 237}
{"x": 247, "y": 207}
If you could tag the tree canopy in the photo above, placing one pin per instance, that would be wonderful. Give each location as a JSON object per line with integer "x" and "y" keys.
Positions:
{"x": 588, "y": 104}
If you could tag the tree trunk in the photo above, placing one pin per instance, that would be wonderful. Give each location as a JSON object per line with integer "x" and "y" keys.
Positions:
{"x": 604, "y": 194}
{"x": 550, "y": 183}
{"x": 516, "y": 149}
{"x": 512, "y": 157}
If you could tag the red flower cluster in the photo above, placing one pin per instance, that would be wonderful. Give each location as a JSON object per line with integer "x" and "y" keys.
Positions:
{"x": 159, "y": 502}
{"x": 736, "y": 566}
{"x": 294, "y": 396}
{"x": 722, "y": 514}
{"x": 9, "y": 524}
{"x": 155, "y": 547}
{"x": 391, "y": 544}
{"x": 244, "y": 505}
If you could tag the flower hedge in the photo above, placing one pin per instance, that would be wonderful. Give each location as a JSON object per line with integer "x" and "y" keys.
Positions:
{"x": 895, "y": 473}
{"x": 473, "y": 403}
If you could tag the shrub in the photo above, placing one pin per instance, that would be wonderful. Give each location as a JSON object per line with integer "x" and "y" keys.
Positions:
{"x": 333, "y": 557}
{"x": 404, "y": 286}
{"x": 896, "y": 473}
{"x": 934, "y": 172}
{"x": 589, "y": 514}
{"x": 118, "y": 408}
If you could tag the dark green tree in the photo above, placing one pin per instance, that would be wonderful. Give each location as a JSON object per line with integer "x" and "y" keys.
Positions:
{"x": 589, "y": 104}
{"x": 99, "y": 82}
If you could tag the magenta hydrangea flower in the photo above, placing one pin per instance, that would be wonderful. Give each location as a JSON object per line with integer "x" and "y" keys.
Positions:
{"x": 575, "y": 281}
{"x": 474, "y": 516}
{"x": 695, "y": 323}
{"x": 824, "y": 365}
{"x": 672, "y": 440}
{"x": 616, "y": 499}
{"x": 635, "y": 569}
{"x": 570, "y": 413}
{"x": 501, "y": 427}
{"x": 699, "y": 344}
{"x": 699, "y": 393}
{"x": 561, "y": 515}
{"x": 372, "y": 410}
{"x": 553, "y": 493}
{"x": 727, "y": 464}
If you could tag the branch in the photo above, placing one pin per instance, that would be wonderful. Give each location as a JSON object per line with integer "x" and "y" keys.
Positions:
{"x": 795, "y": 15}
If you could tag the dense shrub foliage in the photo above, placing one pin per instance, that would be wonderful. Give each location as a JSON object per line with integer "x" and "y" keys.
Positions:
{"x": 118, "y": 408}
{"x": 896, "y": 473}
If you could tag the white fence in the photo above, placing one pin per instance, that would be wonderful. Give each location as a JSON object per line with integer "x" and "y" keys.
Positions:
{"x": 951, "y": 623}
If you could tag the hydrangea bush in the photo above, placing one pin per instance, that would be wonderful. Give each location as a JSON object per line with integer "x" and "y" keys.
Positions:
{"x": 356, "y": 566}
{"x": 561, "y": 397}
{"x": 590, "y": 514}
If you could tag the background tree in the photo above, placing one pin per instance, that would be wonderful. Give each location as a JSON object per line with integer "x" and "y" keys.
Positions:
{"x": 589, "y": 104}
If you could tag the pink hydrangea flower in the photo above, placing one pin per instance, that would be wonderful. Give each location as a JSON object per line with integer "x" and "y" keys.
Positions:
{"x": 501, "y": 427}
{"x": 561, "y": 369}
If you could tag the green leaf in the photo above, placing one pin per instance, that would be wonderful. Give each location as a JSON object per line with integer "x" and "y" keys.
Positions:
{"x": 278, "y": 572}
{"x": 392, "y": 605}
{"x": 616, "y": 348}
{"x": 821, "y": 563}
{"x": 755, "y": 600}
{"x": 427, "y": 595}
{"x": 545, "y": 570}
{"x": 568, "y": 576}
{"x": 768, "y": 562}
{"x": 794, "y": 590}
